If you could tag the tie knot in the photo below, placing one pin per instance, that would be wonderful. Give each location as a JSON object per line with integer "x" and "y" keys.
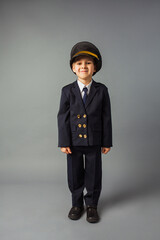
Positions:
{"x": 85, "y": 89}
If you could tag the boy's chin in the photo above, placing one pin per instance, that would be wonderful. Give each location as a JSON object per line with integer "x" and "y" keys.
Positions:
{"x": 86, "y": 79}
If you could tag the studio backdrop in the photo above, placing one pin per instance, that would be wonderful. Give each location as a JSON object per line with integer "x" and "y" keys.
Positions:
{"x": 35, "y": 42}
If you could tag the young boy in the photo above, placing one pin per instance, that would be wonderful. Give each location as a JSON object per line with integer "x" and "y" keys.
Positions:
{"x": 85, "y": 130}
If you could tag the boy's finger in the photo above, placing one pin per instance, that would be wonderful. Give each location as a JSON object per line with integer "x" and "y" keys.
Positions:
{"x": 107, "y": 150}
{"x": 69, "y": 150}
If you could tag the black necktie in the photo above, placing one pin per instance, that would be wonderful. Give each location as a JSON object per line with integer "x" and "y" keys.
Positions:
{"x": 85, "y": 94}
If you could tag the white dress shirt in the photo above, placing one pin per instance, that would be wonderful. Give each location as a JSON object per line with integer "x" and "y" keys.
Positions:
{"x": 81, "y": 86}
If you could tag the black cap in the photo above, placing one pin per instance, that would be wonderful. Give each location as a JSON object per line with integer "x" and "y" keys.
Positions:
{"x": 89, "y": 49}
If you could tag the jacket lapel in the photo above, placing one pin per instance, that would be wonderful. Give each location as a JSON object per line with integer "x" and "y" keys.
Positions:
{"x": 77, "y": 93}
{"x": 92, "y": 92}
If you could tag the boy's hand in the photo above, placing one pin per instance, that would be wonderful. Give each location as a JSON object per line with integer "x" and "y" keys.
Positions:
{"x": 105, "y": 150}
{"x": 66, "y": 150}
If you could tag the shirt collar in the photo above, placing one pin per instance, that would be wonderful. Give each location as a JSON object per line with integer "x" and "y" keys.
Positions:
{"x": 81, "y": 85}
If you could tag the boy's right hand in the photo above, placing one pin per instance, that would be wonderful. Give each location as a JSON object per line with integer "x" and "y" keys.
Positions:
{"x": 66, "y": 150}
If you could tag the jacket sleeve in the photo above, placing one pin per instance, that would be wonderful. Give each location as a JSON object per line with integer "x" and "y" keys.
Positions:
{"x": 63, "y": 117}
{"x": 106, "y": 120}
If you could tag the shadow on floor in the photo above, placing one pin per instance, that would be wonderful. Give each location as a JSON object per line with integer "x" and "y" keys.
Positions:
{"x": 138, "y": 190}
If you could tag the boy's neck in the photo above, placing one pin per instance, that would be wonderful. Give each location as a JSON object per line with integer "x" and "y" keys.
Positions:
{"x": 85, "y": 82}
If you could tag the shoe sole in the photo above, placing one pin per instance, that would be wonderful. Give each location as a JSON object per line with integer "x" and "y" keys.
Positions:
{"x": 76, "y": 218}
{"x": 92, "y": 220}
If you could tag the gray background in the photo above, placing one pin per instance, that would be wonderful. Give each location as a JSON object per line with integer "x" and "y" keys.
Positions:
{"x": 35, "y": 42}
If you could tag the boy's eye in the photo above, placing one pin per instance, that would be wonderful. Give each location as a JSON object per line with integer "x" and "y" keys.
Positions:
{"x": 79, "y": 63}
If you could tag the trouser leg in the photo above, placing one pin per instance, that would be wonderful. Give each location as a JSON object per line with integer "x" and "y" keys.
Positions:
{"x": 75, "y": 171}
{"x": 93, "y": 175}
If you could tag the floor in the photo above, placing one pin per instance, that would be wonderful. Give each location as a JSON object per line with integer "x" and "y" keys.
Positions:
{"x": 38, "y": 211}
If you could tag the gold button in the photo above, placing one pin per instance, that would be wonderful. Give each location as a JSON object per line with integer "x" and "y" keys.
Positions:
{"x": 85, "y": 136}
{"x": 84, "y": 125}
{"x": 78, "y": 116}
{"x": 79, "y": 125}
{"x": 80, "y": 135}
{"x": 84, "y": 115}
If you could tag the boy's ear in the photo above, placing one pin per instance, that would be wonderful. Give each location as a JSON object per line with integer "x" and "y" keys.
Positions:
{"x": 73, "y": 67}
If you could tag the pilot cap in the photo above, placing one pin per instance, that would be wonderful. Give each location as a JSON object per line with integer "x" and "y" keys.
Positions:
{"x": 87, "y": 49}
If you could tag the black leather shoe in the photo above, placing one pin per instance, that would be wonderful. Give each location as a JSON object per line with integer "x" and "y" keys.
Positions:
{"x": 92, "y": 214}
{"x": 75, "y": 213}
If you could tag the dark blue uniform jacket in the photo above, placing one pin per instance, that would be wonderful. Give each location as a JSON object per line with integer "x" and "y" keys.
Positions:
{"x": 84, "y": 125}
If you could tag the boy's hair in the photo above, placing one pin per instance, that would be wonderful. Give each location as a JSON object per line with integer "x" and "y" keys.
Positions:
{"x": 86, "y": 49}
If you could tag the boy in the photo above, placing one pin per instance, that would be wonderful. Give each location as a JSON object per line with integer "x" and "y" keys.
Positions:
{"x": 85, "y": 129}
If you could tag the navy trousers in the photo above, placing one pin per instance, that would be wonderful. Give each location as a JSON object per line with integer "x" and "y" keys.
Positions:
{"x": 84, "y": 169}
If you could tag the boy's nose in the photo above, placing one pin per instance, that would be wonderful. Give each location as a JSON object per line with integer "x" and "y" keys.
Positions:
{"x": 83, "y": 65}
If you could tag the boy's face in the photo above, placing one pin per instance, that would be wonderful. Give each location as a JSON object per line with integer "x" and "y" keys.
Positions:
{"x": 84, "y": 68}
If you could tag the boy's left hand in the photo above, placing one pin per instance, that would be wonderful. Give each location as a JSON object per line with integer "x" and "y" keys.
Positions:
{"x": 105, "y": 150}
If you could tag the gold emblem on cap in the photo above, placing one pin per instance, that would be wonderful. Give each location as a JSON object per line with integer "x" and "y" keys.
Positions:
{"x": 80, "y": 135}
